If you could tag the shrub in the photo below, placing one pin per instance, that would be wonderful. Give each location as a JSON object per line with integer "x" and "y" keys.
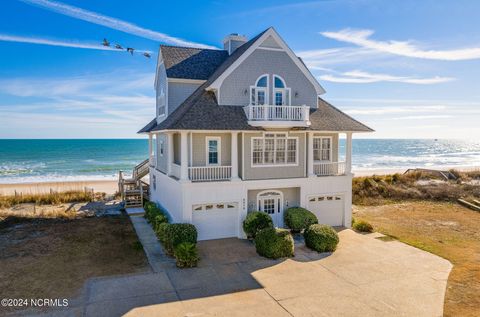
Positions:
{"x": 256, "y": 221}
{"x": 321, "y": 238}
{"x": 158, "y": 220}
{"x": 298, "y": 218}
{"x": 274, "y": 243}
{"x": 186, "y": 254}
{"x": 161, "y": 232}
{"x": 177, "y": 233}
{"x": 362, "y": 226}
{"x": 154, "y": 214}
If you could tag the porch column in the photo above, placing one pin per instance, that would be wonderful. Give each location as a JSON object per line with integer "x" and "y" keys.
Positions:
{"x": 150, "y": 151}
{"x": 169, "y": 153}
{"x": 183, "y": 156}
{"x": 234, "y": 153}
{"x": 348, "y": 154}
{"x": 310, "y": 172}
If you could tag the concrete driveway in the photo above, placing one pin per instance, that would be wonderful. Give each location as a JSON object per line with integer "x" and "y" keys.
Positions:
{"x": 364, "y": 277}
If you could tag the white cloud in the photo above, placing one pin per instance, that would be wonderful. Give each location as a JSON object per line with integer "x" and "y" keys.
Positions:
{"x": 361, "y": 77}
{"x": 425, "y": 117}
{"x": 110, "y": 22}
{"x": 402, "y": 48}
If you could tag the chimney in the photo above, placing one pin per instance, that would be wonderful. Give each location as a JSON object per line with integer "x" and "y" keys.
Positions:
{"x": 233, "y": 41}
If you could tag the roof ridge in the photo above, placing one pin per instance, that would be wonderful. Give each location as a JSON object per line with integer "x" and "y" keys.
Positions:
{"x": 195, "y": 48}
{"x": 343, "y": 113}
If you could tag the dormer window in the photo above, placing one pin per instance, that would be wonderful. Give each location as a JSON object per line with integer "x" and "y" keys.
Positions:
{"x": 281, "y": 94}
{"x": 259, "y": 92}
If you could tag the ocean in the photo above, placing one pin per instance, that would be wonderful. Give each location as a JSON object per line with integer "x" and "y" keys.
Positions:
{"x": 24, "y": 161}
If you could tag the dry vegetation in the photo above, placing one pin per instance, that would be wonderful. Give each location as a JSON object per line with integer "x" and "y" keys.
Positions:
{"x": 423, "y": 213}
{"x": 49, "y": 198}
{"x": 52, "y": 258}
{"x": 375, "y": 190}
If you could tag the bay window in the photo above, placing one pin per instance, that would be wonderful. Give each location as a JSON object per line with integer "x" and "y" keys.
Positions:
{"x": 274, "y": 149}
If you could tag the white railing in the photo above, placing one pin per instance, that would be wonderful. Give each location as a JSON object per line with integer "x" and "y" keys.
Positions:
{"x": 209, "y": 173}
{"x": 329, "y": 168}
{"x": 277, "y": 113}
{"x": 176, "y": 170}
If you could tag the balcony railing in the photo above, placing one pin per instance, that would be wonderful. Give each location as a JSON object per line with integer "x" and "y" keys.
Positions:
{"x": 209, "y": 173}
{"x": 259, "y": 115}
{"x": 329, "y": 168}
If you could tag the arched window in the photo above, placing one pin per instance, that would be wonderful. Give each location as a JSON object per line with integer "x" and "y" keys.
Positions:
{"x": 259, "y": 92}
{"x": 281, "y": 93}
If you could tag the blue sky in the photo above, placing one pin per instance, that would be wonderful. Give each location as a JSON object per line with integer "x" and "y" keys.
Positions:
{"x": 408, "y": 69}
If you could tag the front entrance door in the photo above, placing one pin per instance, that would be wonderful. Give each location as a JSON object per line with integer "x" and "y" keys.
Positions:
{"x": 271, "y": 203}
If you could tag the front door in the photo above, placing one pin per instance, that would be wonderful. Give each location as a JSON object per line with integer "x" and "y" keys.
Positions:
{"x": 271, "y": 203}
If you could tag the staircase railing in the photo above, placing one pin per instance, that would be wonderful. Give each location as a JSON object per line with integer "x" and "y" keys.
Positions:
{"x": 141, "y": 170}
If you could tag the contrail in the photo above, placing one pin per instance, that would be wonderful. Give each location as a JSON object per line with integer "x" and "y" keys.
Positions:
{"x": 112, "y": 23}
{"x": 63, "y": 43}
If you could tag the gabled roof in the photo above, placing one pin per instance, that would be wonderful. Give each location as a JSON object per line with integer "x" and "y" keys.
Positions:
{"x": 200, "y": 111}
{"x": 191, "y": 63}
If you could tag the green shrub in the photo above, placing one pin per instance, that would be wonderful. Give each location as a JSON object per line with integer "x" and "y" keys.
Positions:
{"x": 186, "y": 254}
{"x": 177, "y": 233}
{"x": 256, "y": 221}
{"x": 274, "y": 243}
{"x": 321, "y": 238}
{"x": 298, "y": 218}
{"x": 161, "y": 232}
{"x": 362, "y": 226}
{"x": 159, "y": 219}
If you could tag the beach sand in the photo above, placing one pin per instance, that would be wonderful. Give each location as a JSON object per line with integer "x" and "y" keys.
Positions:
{"x": 109, "y": 187}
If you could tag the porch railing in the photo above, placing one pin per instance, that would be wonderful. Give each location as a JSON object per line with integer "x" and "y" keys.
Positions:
{"x": 329, "y": 168}
{"x": 277, "y": 113}
{"x": 209, "y": 173}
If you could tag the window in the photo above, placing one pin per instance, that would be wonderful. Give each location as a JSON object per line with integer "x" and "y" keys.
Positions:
{"x": 322, "y": 148}
{"x": 215, "y": 207}
{"x": 280, "y": 92}
{"x": 213, "y": 150}
{"x": 161, "y": 104}
{"x": 162, "y": 147}
{"x": 259, "y": 92}
{"x": 274, "y": 149}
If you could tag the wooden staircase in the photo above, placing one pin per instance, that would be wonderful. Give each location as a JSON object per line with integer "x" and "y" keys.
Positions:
{"x": 134, "y": 190}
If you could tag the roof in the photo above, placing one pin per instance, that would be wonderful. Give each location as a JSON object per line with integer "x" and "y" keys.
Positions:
{"x": 191, "y": 63}
{"x": 200, "y": 111}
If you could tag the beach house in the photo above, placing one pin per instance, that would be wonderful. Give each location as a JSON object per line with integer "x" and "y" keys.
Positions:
{"x": 244, "y": 129}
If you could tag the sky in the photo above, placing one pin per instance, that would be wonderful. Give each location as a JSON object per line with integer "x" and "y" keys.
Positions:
{"x": 408, "y": 69}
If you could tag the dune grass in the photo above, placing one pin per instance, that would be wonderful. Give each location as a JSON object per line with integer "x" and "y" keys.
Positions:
{"x": 47, "y": 198}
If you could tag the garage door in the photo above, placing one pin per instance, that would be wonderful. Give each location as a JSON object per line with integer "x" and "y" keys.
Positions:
{"x": 215, "y": 221}
{"x": 327, "y": 208}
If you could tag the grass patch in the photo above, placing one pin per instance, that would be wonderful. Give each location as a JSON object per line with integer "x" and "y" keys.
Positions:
{"x": 52, "y": 258}
{"x": 445, "y": 229}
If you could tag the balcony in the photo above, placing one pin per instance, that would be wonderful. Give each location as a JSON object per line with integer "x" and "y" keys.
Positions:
{"x": 277, "y": 116}
{"x": 329, "y": 168}
{"x": 209, "y": 173}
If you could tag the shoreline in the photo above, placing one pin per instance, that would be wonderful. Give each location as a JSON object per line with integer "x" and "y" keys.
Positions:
{"x": 111, "y": 186}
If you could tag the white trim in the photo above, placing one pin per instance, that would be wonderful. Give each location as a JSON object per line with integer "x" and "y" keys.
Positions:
{"x": 185, "y": 80}
{"x": 270, "y": 48}
{"x": 287, "y": 137}
{"x": 270, "y": 32}
{"x": 219, "y": 150}
{"x": 191, "y": 149}
{"x": 266, "y": 90}
{"x": 243, "y": 155}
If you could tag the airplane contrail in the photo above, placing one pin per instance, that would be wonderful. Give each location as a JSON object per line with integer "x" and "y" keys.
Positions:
{"x": 111, "y": 22}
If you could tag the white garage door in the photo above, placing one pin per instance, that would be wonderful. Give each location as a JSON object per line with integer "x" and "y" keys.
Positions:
{"x": 327, "y": 208}
{"x": 215, "y": 221}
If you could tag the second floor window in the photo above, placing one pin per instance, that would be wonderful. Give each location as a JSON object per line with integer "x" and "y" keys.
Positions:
{"x": 322, "y": 149}
{"x": 213, "y": 151}
{"x": 274, "y": 149}
{"x": 259, "y": 92}
{"x": 161, "y": 102}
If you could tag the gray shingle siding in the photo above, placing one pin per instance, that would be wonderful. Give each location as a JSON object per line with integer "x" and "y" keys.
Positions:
{"x": 178, "y": 93}
{"x": 232, "y": 90}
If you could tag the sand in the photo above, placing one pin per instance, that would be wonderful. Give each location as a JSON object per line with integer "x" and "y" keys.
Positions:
{"x": 109, "y": 187}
